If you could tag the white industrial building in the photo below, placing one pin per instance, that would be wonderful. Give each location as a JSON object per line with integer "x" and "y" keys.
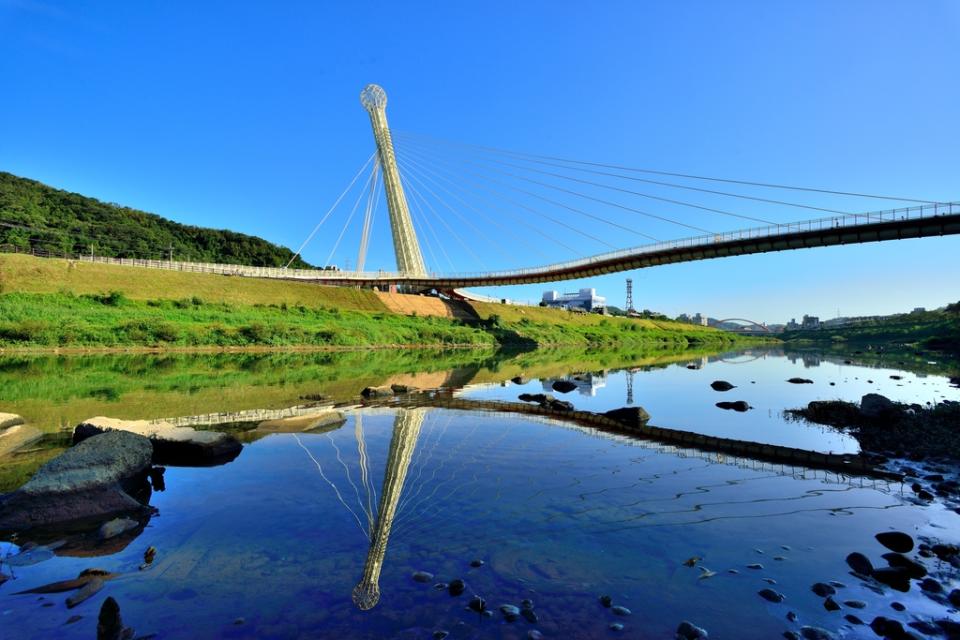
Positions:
{"x": 586, "y": 299}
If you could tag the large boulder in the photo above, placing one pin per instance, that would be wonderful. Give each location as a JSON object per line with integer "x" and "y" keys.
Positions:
{"x": 177, "y": 446}
{"x": 874, "y": 406}
{"x": 629, "y": 416}
{"x": 10, "y": 420}
{"x": 94, "y": 479}
{"x": 17, "y": 436}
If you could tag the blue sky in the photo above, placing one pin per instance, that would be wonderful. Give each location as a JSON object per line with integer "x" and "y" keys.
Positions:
{"x": 246, "y": 116}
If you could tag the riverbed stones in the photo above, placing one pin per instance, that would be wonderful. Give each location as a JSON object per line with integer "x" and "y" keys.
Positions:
{"x": 184, "y": 446}
{"x": 689, "y": 631}
{"x": 89, "y": 480}
{"x": 564, "y": 386}
{"x": 895, "y": 541}
{"x": 721, "y": 385}
{"x": 823, "y": 590}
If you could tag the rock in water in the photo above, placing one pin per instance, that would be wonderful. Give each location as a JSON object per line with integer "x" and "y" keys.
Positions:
{"x": 530, "y": 615}
{"x": 815, "y": 633}
{"x": 376, "y": 392}
{"x": 860, "y": 563}
{"x": 518, "y": 380}
{"x": 172, "y": 445}
{"x": 823, "y": 590}
{"x": 620, "y": 611}
{"x": 421, "y": 576}
{"x": 476, "y": 564}
{"x": 477, "y": 604}
{"x": 689, "y": 631}
{"x": 606, "y": 601}
{"x": 85, "y": 592}
{"x": 800, "y": 381}
{"x": 771, "y": 596}
{"x": 564, "y": 386}
{"x": 916, "y": 569}
{"x": 89, "y": 480}
{"x": 721, "y": 385}
{"x": 830, "y": 604}
{"x": 510, "y": 612}
{"x": 629, "y": 416}
{"x": 739, "y": 405}
{"x": 895, "y": 577}
{"x": 895, "y": 541}
{"x": 456, "y": 587}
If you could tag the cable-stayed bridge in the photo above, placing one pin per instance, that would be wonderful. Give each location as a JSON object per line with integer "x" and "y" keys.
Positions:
{"x": 464, "y": 215}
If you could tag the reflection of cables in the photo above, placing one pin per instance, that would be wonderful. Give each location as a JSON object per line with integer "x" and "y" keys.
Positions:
{"x": 333, "y": 486}
{"x": 364, "y": 468}
{"x": 347, "y": 469}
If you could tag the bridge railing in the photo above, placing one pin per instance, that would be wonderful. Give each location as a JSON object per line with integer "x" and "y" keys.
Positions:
{"x": 839, "y": 221}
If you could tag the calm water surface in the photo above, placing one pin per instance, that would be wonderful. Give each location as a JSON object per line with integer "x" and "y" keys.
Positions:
{"x": 318, "y": 534}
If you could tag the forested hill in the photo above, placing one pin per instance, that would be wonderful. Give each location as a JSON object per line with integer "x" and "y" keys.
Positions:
{"x": 35, "y": 215}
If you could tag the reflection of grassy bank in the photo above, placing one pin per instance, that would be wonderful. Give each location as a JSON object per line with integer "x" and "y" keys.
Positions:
{"x": 57, "y": 392}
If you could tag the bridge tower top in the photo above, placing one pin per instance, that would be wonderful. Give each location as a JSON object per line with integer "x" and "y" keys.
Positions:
{"x": 409, "y": 259}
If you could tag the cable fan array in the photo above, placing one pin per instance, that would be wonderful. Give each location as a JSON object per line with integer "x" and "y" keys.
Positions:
{"x": 477, "y": 208}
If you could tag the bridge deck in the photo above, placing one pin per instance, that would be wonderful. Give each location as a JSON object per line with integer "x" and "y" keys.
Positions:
{"x": 898, "y": 224}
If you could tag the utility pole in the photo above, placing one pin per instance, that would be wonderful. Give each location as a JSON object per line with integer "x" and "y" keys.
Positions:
{"x": 171, "y": 251}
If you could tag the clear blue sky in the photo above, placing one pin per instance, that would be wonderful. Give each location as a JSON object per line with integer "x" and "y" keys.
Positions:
{"x": 245, "y": 116}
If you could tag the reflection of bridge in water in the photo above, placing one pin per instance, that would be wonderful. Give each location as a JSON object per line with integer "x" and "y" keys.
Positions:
{"x": 409, "y": 420}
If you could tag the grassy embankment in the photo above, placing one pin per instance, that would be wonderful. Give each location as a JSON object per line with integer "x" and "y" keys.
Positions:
{"x": 48, "y": 303}
{"x": 938, "y": 329}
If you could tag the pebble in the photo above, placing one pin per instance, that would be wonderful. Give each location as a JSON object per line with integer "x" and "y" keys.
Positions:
{"x": 771, "y": 595}
{"x": 526, "y": 604}
{"x": 898, "y": 606}
{"x": 823, "y": 590}
{"x": 855, "y": 604}
{"x": 755, "y": 566}
{"x": 830, "y": 604}
{"x": 621, "y": 611}
{"x": 440, "y": 634}
{"x": 533, "y": 634}
{"x": 615, "y": 626}
{"x": 456, "y": 587}
{"x": 896, "y": 577}
{"x": 852, "y": 619}
{"x": 770, "y": 581}
{"x": 441, "y": 586}
{"x": 954, "y": 598}
{"x": 792, "y": 616}
{"x": 606, "y": 601}
{"x": 931, "y": 585}
{"x": 530, "y": 616}
{"x": 73, "y": 619}
{"x": 510, "y": 612}
{"x": 421, "y": 576}
{"x": 895, "y": 541}
{"x": 476, "y": 564}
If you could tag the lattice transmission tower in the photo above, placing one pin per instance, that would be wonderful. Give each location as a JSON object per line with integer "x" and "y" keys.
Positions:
{"x": 409, "y": 259}
{"x": 629, "y": 307}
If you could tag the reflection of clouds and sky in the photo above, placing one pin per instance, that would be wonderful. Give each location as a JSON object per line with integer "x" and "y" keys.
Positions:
{"x": 681, "y": 398}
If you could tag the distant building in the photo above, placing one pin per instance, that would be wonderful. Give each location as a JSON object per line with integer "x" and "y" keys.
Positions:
{"x": 585, "y": 299}
{"x": 699, "y": 319}
{"x": 792, "y": 325}
{"x": 919, "y": 310}
{"x": 810, "y": 322}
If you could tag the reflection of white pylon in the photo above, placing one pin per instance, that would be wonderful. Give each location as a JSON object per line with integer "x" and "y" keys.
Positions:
{"x": 406, "y": 430}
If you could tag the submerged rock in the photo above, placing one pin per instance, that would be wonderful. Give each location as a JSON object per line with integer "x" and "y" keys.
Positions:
{"x": 89, "y": 480}
{"x": 915, "y": 569}
{"x": 456, "y": 587}
{"x": 620, "y": 611}
{"x": 721, "y": 385}
{"x": 606, "y": 601}
{"x": 874, "y": 405}
{"x": 510, "y": 612}
{"x": 477, "y": 604}
{"x": 823, "y": 590}
{"x": 116, "y": 527}
{"x": 421, "y": 576}
{"x": 894, "y": 577}
{"x": 860, "y": 563}
{"x": 771, "y": 596}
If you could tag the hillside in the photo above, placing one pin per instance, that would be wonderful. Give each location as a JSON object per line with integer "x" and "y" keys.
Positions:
{"x": 936, "y": 329}
{"x": 35, "y": 215}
